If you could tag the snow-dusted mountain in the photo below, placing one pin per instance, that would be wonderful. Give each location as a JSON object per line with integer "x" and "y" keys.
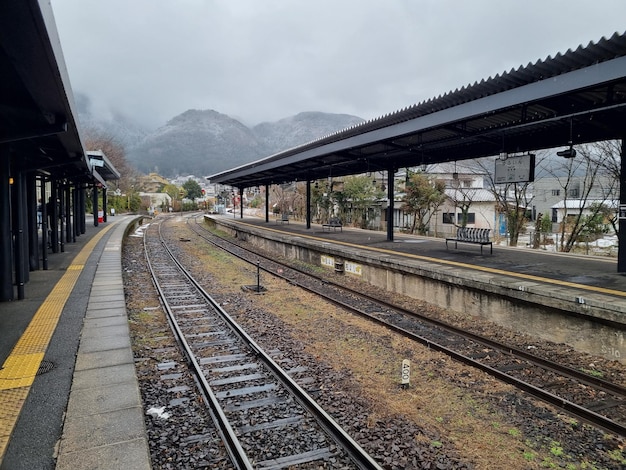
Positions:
{"x": 123, "y": 130}
{"x": 195, "y": 142}
{"x": 300, "y": 129}
{"x": 204, "y": 142}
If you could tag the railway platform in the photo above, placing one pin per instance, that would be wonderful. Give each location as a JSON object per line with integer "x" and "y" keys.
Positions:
{"x": 69, "y": 393}
{"x": 577, "y": 300}
{"x": 582, "y": 271}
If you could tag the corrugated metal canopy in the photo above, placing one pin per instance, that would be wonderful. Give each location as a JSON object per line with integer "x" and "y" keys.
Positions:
{"x": 102, "y": 165}
{"x": 37, "y": 121}
{"x": 579, "y": 96}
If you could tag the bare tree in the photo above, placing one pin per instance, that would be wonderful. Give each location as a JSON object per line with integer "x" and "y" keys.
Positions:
{"x": 115, "y": 152}
{"x": 512, "y": 200}
{"x": 462, "y": 198}
{"x": 590, "y": 179}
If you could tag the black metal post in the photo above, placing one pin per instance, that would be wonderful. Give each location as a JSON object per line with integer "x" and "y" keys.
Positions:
{"x": 44, "y": 225}
{"x": 621, "y": 253}
{"x": 241, "y": 203}
{"x": 20, "y": 253}
{"x": 267, "y": 203}
{"x": 6, "y": 261}
{"x": 32, "y": 222}
{"x": 94, "y": 200}
{"x": 308, "y": 204}
{"x": 69, "y": 232}
{"x": 104, "y": 204}
{"x": 390, "y": 208}
{"x": 83, "y": 208}
{"x": 53, "y": 216}
{"x": 61, "y": 204}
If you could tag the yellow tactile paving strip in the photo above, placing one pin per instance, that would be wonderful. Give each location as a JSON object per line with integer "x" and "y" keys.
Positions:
{"x": 20, "y": 368}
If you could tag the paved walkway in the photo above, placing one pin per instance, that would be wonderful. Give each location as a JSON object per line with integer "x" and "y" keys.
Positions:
{"x": 74, "y": 403}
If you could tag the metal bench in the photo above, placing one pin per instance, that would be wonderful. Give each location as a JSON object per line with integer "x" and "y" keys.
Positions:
{"x": 478, "y": 236}
{"x": 334, "y": 223}
{"x": 284, "y": 218}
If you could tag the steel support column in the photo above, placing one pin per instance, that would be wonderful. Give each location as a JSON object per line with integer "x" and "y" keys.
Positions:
{"x": 104, "y": 204}
{"x": 69, "y": 232}
{"x": 6, "y": 261}
{"x": 33, "y": 226}
{"x": 20, "y": 246}
{"x": 94, "y": 200}
{"x": 82, "y": 201}
{"x": 44, "y": 225}
{"x": 80, "y": 209}
{"x": 621, "y": 237}
{"x": 308, "y": 204}
{"x": 62, "y": 215}
{"x": 267, "y": 203}
{"x": 240, "y": 203}
{"x": 53, "y": 216}
{"x": 390, "y": 198}
{"x": 76, "y": 210}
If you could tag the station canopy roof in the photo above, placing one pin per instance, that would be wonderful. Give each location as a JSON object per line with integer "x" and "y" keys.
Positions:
{"x": 102, "y": 166}
{"x": 577, "y": 97}
{"x": 37, "y": 119}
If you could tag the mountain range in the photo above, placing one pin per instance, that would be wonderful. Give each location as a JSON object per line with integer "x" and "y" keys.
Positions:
{"x": 205, "y": 142}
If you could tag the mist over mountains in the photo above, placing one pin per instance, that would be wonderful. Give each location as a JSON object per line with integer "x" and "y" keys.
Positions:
{"x": 205, "y": 142}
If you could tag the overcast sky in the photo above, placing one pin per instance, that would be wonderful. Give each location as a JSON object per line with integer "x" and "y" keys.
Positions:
{"x": 264, "y": 60}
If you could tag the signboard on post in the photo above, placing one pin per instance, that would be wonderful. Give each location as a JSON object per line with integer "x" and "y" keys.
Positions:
{"x": 520, "y": 169}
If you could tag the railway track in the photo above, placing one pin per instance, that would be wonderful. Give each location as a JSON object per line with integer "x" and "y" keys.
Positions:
{"x": 264, "y": 418}
{"x": 585, "y": 397}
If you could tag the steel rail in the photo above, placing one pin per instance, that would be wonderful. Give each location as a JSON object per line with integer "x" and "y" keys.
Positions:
{"x": 231, "y": 442}
{"x": 357, "y": 454}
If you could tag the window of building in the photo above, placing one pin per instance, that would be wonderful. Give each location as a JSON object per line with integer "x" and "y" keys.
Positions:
{"x": 471, "y": 218}
{"x": 448, "y": 217}
{"x": 556, "y": 192}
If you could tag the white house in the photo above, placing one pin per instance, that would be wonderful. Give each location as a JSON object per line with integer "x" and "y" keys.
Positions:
{"x": 156, "y": 201}
{"x": 574, "y": 207}
{"x": 481, "y": 212}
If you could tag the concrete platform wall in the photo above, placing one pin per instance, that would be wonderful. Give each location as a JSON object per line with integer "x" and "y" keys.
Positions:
{"x": 553, "y": 313}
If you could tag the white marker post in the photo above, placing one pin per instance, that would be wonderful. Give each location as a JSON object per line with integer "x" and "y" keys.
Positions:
{"x": 406, "y": 373}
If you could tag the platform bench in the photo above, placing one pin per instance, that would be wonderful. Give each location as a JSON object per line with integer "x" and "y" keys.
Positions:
{"x": 478, "y": 236}
{"x": 284, "y": 218}
{"x": 333, "y": 223}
